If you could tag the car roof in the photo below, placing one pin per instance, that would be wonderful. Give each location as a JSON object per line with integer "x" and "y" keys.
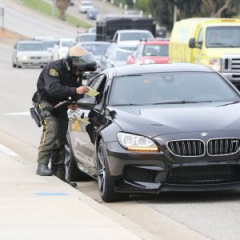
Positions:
{"x": 132, "y": 30}
{"x": 155, "y": 68}
{"x": 94, "y": 43}
{"x": 87, "y": 34}
{"x": 29, "y": 41}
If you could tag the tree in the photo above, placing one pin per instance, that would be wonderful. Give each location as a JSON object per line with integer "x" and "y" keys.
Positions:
{"x": 163, "y": 10}
{"x": 62, "y": 6}
{"x": 215, "y": 8}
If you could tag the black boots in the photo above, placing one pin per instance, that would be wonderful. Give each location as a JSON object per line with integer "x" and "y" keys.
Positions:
{"x": 43, "y": 170}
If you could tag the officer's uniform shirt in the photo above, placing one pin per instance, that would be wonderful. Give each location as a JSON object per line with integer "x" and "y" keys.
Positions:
{"x": 56, "y": 83}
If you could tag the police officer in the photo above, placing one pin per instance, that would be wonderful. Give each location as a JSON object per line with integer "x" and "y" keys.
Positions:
{"x": 60, "y": 80}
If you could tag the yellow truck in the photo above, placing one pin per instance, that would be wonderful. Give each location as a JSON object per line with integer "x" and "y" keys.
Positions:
{"x": 213, "y": 42}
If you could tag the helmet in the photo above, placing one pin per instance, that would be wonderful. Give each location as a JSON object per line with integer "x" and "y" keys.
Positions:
{"x": 79, "y": 58}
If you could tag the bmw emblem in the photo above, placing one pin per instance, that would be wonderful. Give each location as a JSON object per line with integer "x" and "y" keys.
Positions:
{"x": 204, "y": 134}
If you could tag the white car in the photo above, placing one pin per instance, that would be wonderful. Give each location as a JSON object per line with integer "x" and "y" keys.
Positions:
{"x": 62, "y": 47}
{"x": 130, "y": 38}
{"x": 30, "y": 53}
{"x": 86, "y": 37}
{"x": 84, "y": 6}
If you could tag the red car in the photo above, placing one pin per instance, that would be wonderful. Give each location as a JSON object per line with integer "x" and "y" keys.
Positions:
{"x": 150, "y": 51}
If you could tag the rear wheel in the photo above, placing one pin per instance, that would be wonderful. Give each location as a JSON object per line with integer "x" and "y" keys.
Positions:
{"x": 105, "y": 183}
{"x": 72, "y": 171}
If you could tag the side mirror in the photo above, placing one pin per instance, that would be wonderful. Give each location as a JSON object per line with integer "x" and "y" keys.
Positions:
{"x": 86, "y": 102}
{"x": 192, "y": 43}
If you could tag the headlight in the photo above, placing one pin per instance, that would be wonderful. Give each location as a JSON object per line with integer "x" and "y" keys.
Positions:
{"x": 23, "y": 57}
{"x": 215, "y": 63}
{"x": 136, "y": 143}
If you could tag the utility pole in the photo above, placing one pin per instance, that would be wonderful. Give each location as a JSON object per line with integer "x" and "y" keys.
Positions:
{"x": 2, "y": 15}
{"x": 53, "y": 7}
{"x": 134, "y": 2}
{"x": 175, "y": 13}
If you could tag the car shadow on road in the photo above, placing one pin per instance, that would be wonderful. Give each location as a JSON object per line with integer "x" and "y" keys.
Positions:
{"x": 186, "y": 197}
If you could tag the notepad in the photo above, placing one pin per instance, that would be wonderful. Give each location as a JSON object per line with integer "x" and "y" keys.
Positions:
{"x": 92, "y": 92}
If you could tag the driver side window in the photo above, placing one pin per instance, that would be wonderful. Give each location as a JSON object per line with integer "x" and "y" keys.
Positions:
{"x": 98, "y": 84}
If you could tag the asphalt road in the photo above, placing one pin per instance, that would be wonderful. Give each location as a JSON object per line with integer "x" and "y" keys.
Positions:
{"x": 173, "y": 216}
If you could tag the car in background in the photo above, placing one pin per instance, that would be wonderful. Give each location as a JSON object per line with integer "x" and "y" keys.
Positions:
{"x": 150, "y": 51}
{"x": 49, "y": 44}
{"x": 85, "y": 5}
{"x": 85, "y": 37}
{"x": 71, "y": 2}
{"x": 42, "y": 38}
{"x": 92, "y": 30}
{"x": 129, "y": 139}
{"x": 30, "y": 53}
{"x": 161, "y": 32}
{"x": 97, "y": 48}
{"x": 114, "y": 56}
{"x": 61, "y": 49}
{"x": 92, "y": 13}
{"x": 131, "y": 37}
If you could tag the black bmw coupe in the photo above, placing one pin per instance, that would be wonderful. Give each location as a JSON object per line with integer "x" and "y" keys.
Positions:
{"x": 156, "y": 127}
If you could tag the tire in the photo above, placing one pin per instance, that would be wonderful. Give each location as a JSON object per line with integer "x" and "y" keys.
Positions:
{"x": 14, "y": 65}
{"x": 104, "y": 179}
{"x": 72, "y": 171}
{"x": 18, "y": 65}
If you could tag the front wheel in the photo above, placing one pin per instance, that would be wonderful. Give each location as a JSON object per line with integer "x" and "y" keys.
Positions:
{"x": 104, "y": 179}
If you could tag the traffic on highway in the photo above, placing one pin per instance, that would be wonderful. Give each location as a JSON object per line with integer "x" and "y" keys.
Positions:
{"x": 159, "y": 141}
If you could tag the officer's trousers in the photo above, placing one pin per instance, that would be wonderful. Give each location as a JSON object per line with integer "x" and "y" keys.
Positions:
{"x": 52, "y": 145}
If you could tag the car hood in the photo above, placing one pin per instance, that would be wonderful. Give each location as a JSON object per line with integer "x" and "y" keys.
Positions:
{"x": 33, "y": 53}
{"x": 180, "y": 118}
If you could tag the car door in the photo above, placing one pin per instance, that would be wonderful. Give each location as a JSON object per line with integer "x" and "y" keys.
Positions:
{"x": 82, "y": 126}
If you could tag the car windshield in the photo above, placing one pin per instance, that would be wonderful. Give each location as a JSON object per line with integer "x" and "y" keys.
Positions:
{"x": 31, "y": 47}
{"x": 121, "y": 54}
{"x": 224, "y": 37}
{"x": 49, "y": 44}
{"x": 96, "y": 49}
{"x": 134, "y": 36}
{"x": 170, "y": 88}
{"x": 93, "y": 10}
{"x": 67, "y": 43}
{"x": 86, "y": 38}
{"x": 86, "y": 4}
{"x": 156, "y": 50}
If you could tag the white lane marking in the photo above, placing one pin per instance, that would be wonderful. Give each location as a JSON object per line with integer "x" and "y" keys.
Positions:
{"x": 17, "y": 114}
{"x": 8, "y": 151}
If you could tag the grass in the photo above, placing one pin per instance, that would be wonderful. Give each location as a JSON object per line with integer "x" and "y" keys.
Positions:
{"x": 46, "y": 9}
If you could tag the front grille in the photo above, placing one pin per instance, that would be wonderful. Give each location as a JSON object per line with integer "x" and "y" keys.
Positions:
{"x": 35, "y": 57}
{"x": 204, "y": 174}
{"x": 231, "y": 64}
{"x": 186, "y": 148}
{"x": 132, "y": 173}
{"x": 223, "y": 146}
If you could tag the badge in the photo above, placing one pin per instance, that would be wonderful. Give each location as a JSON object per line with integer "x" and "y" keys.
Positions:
{"x": 53, "y": 72}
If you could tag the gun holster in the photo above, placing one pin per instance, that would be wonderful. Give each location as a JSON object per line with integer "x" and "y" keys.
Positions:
{"x": 36, "y": 116}
{"x": 37, "y": 98}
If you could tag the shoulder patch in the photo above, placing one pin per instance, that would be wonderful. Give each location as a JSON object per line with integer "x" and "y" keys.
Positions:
{"x": 53, "y": 72}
